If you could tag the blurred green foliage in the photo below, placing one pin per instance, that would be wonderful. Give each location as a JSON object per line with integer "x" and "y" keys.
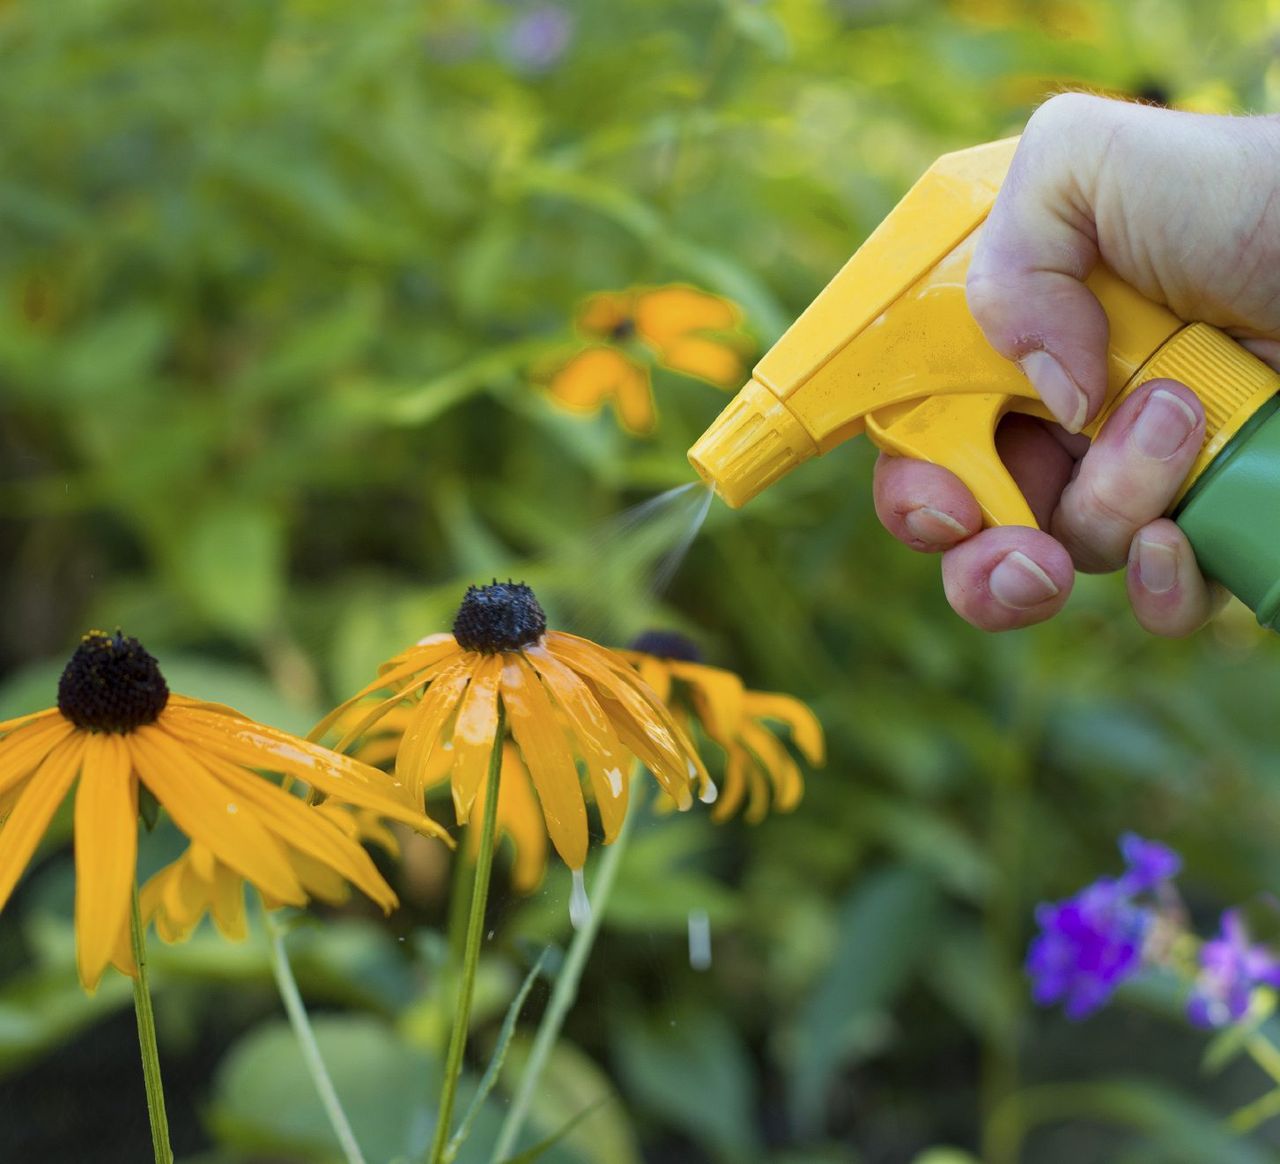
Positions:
{"x": 273, "y": 278}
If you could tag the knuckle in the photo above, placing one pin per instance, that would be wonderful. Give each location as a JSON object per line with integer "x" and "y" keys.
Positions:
{"x": 1063, "y": 112}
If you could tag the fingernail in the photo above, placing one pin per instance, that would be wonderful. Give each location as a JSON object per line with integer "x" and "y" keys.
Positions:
{"x": 933, "y": 526}
{"x": 1018, "y": 583}
{"x": 1163, "y": 425}
{"x": 1157, "y": 566}
{"x": 1056, "y": 389}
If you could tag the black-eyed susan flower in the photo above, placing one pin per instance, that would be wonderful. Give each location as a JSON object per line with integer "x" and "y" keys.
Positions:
{"x": 679, "y": 327}
{"x": 198, "y": 883}
{"x": 567, "y": 702}
{"x": 756, "y": 760}
{"x": 117, "y": 729}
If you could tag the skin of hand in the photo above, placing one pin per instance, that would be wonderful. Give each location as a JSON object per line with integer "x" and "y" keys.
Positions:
{"x": 1186, "y": 208}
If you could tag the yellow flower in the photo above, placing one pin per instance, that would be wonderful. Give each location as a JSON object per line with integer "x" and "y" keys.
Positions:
{"x": 756, "y": 761}
{"x": 518, "y": 814}
{"x": 680, "y": 327}
{"x": 117, "y": 728}
{"x": 566, "y": 700}
{"x": 178, "y": 896}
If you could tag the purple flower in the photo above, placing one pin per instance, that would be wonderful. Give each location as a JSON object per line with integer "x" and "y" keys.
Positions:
{"x": 1148, "y": 863}
{"x": 536, "y": 41}
{"x": 1229, "y": 970}
{"x": 1087, "y": 946}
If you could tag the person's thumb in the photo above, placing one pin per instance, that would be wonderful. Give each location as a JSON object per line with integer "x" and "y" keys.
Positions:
{"x": 1026, "y": 281}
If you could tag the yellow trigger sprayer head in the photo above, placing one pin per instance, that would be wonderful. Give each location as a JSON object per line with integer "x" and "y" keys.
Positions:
{"x": 889, "y": 348}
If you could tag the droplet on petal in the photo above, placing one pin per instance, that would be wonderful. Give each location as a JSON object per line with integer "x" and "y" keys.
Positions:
{"x": 579, "y": 903}
{"x": 614, "y": 776}
{"x": 709, "y": 792}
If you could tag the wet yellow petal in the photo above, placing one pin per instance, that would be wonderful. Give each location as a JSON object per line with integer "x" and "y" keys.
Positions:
{"x": 594, "y": 738}
{"x": 705, "y": 359}
{"x": 254, "y": 745}
{"x": 806, "y": 730}
{"x": 426, "y": 727}
{"x": 203, "y": 808}
{"x": 379, "y": 711}
{"x": 106, "y": 848}
{"x": 40, "y": 799}
{"x": 301, "y": 827}
{"x": 717, "y": 697}
{"x": 548, "y": 758}
{"x": 603, "y": 314}
{"x": 22, "y": 751}
{"x": 519, "y": 817}
{"x": 666, "y": 314}
{"x": 473, "y": 735}
{"x": 641, "y": 721}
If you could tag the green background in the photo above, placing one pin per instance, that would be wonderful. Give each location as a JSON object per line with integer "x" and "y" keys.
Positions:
{"x": 273, "y": 278}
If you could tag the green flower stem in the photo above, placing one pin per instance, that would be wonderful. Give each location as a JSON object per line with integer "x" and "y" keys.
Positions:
{"x": 565, "y": 992}
{"x": 471, "y": 953}
{"x": 147, "y": 1039}
{"x": 294, "y": 1007}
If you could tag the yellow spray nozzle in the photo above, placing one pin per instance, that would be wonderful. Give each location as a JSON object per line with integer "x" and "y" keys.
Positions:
{"x": 889, "y": 348}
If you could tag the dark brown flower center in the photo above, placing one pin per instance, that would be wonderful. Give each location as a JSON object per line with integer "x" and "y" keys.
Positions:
{"x": 666, "y": 644}
{"x": 111, "y": 684}
{"x": 502, "y": 617}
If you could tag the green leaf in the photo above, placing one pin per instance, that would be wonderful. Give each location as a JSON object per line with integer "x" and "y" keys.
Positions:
{"x": 690, "y": 1068}
{"x": 884, "y": 928}
{"x": 231, "y": 563}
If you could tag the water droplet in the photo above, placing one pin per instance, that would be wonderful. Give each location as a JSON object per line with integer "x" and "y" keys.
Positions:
{"x": 699, "y": 939}
{"x": 579, "y": 903}
{"x": 232, "y": 809}
{"x": 693, "y": 768}
{"x": 709, "y": 792}
{"x": 614, "y": 776}
{"x": 448, "y": 745}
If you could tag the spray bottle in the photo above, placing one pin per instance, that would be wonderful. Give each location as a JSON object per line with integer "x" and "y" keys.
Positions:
{"x": 889, "y": 348}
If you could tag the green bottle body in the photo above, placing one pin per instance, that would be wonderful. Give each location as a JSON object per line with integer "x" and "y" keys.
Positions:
{"x": 1231, "y": 515}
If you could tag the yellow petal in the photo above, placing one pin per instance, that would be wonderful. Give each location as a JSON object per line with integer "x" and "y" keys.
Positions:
{"x": 379, "y": 711}
{"x": 598, "y": 374}
{"x": 30, "y": 718}
{"x": 717, "y": 697}
{"x": 255, "y": 745}
{"x": 405, "y": 666}
{"x": 227, "y": 905}
{"x": 519, "y": 817}
{"x": 40, "y": 799}
{"x": 203, "y": 808}
{"x": 301, "y": 827}
{"x": 24, "y": 749}
{"x": 667, "y": 313}
{"x": 655, "y": 672}
{"x": 594, "y": 738}
{"x": 473, "y": 735}
{"x": 426, "y": 727}
{"x": 806, "y": 730}
{"x": 548, "y": 758}
{"x": 734, "y": 785}
{"x": 705, "y": 359}
{"x": 633, "y": 401}
{"x": 776, "y": 763}
{"x": 106, "y": 847}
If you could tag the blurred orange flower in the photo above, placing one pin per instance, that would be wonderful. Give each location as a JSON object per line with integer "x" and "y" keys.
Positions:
{"x": 681, "y": 328}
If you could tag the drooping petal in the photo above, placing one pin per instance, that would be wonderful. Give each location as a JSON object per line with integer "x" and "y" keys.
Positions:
{"x": 379, "y": 711}
{"x": 666, "y": 314}
{"x": 227, "y": 905}
{"x": 776, "y": 763}
{"x": 203, "y": 808}
{"x": 633, "y": 402}
{"x": 106, "y": 849}
{"x": 806, "y": 730}
{"x": 548, "y": 758}
{"x": 598, "y": 374}
{"x": 40, "y": 799}
{"x": 519, "y": 817}
{"x": 717, "y": 697}
{"x": 426, "y": 727}
{"x": 474, "y": 735}
{"x": 734, "y": 786}
{"x": 594, "y": 738}
{"x": 654, "y": 672}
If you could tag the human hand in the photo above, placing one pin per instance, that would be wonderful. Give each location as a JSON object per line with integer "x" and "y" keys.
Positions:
{"x": 1185, "y": 208}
